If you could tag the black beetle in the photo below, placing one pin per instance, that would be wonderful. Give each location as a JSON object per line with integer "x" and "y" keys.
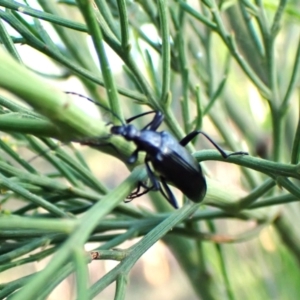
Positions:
{"x": 169, "y": 158}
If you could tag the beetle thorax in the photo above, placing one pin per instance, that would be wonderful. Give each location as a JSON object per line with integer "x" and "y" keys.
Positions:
{"x": 149, "y": 141}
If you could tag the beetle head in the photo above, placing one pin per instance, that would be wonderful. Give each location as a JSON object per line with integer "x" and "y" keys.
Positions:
{"x": 129, "y": 132}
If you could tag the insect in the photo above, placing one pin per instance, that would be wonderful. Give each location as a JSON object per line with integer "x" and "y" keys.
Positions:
{"x": 169, "y": 158}
{"x": 171, "y": 161}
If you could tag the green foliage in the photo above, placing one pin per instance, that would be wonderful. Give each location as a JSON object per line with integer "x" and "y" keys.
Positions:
{"x": 230, "y": 67}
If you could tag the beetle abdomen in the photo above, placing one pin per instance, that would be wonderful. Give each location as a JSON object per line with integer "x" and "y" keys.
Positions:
{"x": 182, "y": 170}
{"x": 192, "y": 185}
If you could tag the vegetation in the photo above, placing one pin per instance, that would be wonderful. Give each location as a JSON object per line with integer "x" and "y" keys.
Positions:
{"x": 230, "y": 68}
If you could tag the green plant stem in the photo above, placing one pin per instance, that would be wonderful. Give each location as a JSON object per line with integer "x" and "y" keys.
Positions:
{"x": 13, "y": 123}
{"x": 75, "y": 44}
{"x": 274, "y": 200}
{"x": 179, "y": 24}
{"x": 95, "y": 31}
{"x": 81, "y": 170}
{"x": 198, "y": 276}
{"x": 296, "y": 144}
{"x": 32, "y": 258}
{"x": 82, "y": 274}
{"x": 256, "y": 194}
{"x": 288, "y": 235}
{"x": 8, "y": 43}
{"x": 9, "y": 288}
{"x": 84, "y": 229}
{"x": 138, "y": 249}
{"x": 28, "y": 247}
{"x": 212, "y": 25}
{"x": 21, "y": 109}
{"x": 10, "y": 185}
{"x": 124, "y": 25}
{"x": 15, "y": 155}
{"x": 42, "y": 47}
{"x": 164, "y": 26}
{"x": 221, "y": 257}
{"x": 43, "y": 181}
{"x": 230, "y": 43}
{"x": 262, "y": 165}
{"x": 63, "y": 226}
{"x": 14, "y": 5}
{"x": 61, "y": 167}
{"x": 248, "y": 20}
{"x": 107, "y": 15}
{"x": 122, "y": 281}
{"x": 55, "y": 104}
{"x": 293, "y": 81}
{"x": 63, "y": 273}
{"x": 289, "y": 186}
{"x": 278, "y": 16}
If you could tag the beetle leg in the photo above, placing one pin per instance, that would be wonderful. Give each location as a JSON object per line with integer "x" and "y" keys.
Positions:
{"x": 156, "y": 186}
{"x": 137, "y": 193}
{"x": 155, "y": 183}
{"x": 166, "y": 192}
{"x": 188, "y": 138}
{"x": 155, "y": 123}
{"x": 133, "y": 157}
{"x": 170, "y": 197}
{"x": 152, "y": 177}
{"x": 191, "y": 135}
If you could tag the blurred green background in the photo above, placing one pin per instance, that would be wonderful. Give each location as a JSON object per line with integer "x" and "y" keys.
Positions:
{"x": 229, "y": 68}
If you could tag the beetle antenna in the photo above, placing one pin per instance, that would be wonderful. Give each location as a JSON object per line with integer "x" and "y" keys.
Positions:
{"x": 96, "y": 103}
